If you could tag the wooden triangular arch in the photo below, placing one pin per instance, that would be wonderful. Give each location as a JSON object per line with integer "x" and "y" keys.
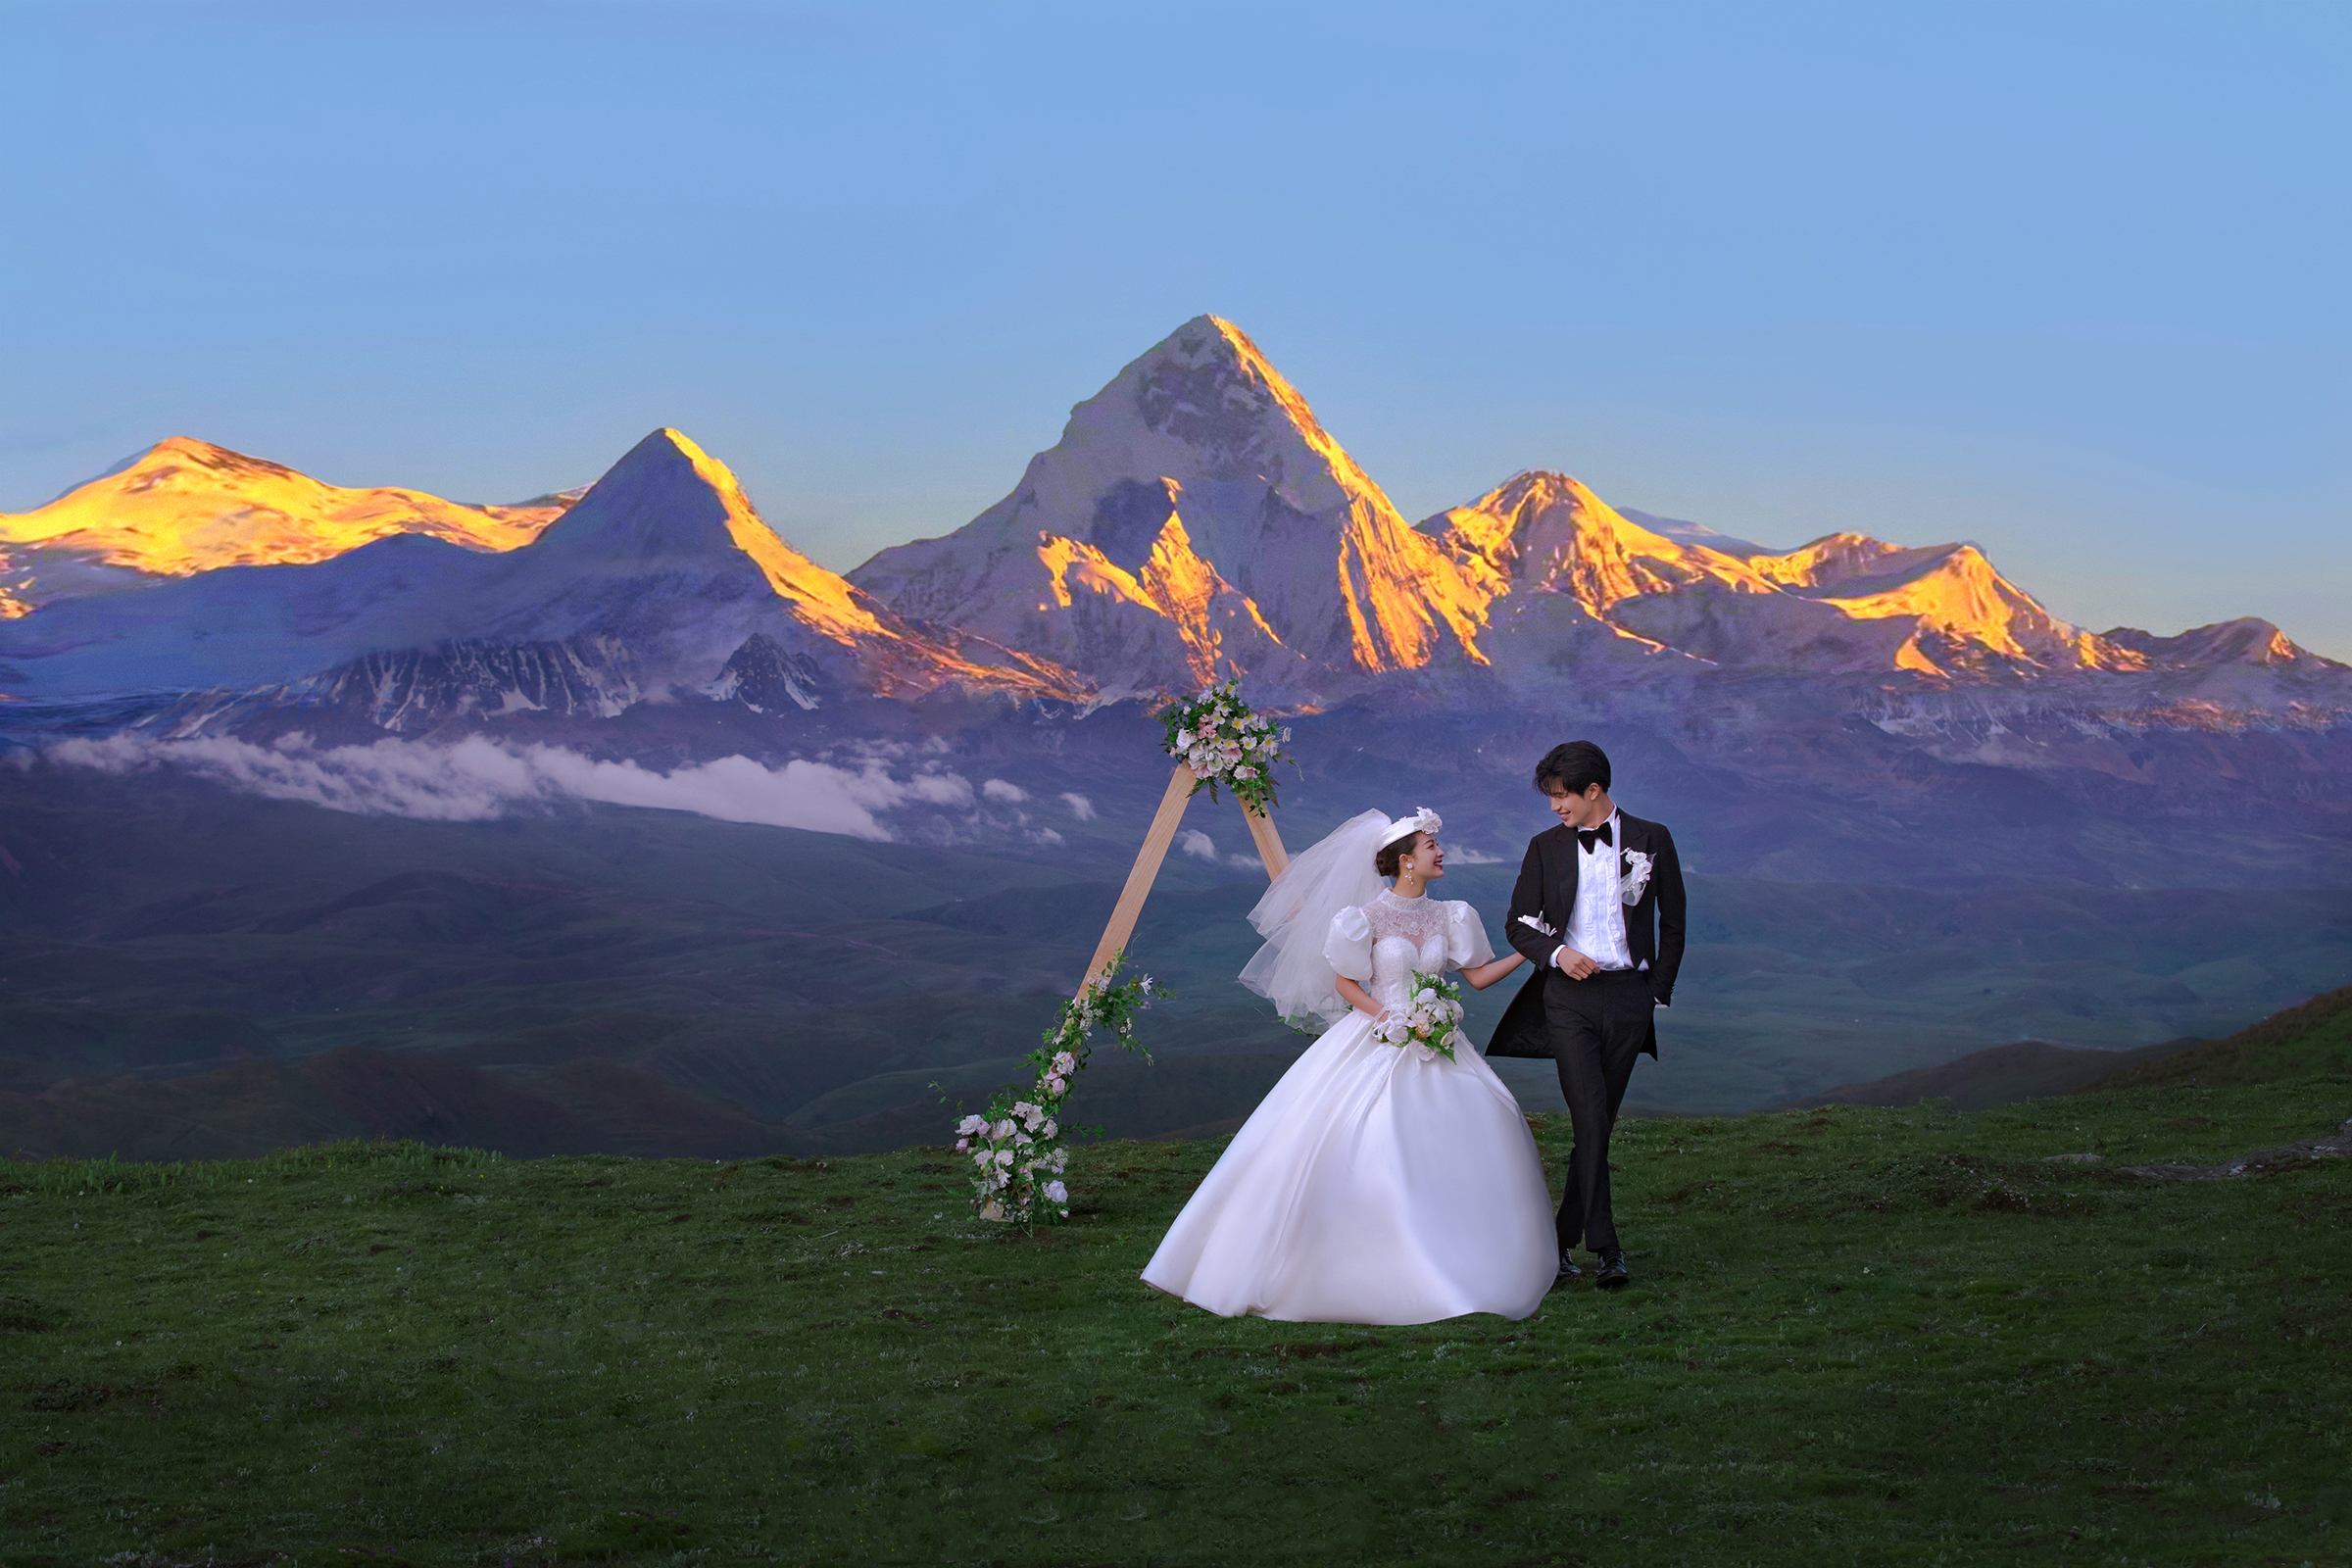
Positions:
{"x": 1156, "y": 840}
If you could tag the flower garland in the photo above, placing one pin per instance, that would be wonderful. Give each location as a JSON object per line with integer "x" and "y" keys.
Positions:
{"x": 1016, "y": 1147}
{"x": 1219, "y": 738}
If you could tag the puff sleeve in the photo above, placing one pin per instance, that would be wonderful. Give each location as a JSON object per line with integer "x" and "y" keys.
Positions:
{"x": 1465, "y": 937}
{"x": 1347, "y": 948}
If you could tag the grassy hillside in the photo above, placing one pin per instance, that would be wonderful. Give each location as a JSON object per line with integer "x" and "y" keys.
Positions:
{"x": 1857, "y": 1335}
{"x": 1999, "y": 1075}
{"x": 2312, "y": 1040}
{"x": 2314, "y": 1037}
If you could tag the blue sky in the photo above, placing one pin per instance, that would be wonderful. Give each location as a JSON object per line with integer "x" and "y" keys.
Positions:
{"x": 2067, "y": 280}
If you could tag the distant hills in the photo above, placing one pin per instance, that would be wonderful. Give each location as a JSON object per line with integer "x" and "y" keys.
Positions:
{"x": 186, "y": 969}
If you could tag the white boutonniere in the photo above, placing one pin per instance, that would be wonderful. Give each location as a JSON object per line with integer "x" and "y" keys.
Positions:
{"x": 1636, "y": 877}
{"x": 1530, "y": 921}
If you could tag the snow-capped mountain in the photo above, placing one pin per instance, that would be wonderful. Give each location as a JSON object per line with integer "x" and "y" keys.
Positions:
{"x": 1194, "y": 519}
{"x": 652, "y": 580}
{"x": 1197, "y": 520}
{"x": 185, "y": 507}
{"x": 1844, "y": 604}
{"x": 1552, "y": 555}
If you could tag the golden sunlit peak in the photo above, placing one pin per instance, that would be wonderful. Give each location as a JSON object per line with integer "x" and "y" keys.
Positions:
{"x": 191, "y": 449}
{"x": 1532, "y": 480}
{"x": 186, "y": 506}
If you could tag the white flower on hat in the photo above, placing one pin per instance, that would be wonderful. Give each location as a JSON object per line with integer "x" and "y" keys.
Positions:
{"x": 1423, "y": 820}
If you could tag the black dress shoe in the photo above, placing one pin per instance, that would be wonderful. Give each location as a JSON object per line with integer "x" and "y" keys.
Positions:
{"x": 1568, "y": 1268}
{"x": 1613, "y": 1275}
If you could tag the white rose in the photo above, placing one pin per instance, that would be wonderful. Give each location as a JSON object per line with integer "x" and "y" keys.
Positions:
{"x": 1056, "y": 1192}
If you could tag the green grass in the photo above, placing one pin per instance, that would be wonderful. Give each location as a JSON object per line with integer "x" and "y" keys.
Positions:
{"x": 1856, "y": 1336}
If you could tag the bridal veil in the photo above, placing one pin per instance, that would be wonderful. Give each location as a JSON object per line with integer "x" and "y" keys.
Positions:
{"x": 1295, "y": 917}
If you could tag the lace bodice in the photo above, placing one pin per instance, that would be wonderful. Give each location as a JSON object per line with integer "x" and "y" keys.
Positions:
{"x": 1380, "y": 943}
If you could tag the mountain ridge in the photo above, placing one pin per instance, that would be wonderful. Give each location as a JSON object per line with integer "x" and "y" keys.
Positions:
{"x": 1194, "y": 521}
{"x": 663, "y": 566}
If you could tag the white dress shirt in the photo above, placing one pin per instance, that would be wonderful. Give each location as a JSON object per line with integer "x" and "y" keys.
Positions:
{"x": 1596, "y": 921}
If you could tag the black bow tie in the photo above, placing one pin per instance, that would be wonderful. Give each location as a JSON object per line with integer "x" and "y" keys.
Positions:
{"x": 1587, "y": 837}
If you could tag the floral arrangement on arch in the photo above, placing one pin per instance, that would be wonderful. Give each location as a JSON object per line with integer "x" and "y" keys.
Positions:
{"x": 1018, "y": 1157}
{"x": 1221, "y": 740}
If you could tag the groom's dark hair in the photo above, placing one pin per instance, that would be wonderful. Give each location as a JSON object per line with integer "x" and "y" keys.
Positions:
{"x": 1573, "y": 766}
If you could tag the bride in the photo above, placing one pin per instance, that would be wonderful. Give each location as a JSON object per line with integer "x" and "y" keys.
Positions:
{"x": 1373, "y": 1184}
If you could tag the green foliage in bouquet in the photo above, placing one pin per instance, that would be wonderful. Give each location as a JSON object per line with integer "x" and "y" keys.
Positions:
{"x": 1432, "y": 1018}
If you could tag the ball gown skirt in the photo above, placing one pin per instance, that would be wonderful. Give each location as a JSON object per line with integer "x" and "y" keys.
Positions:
{"x": 1372, "y": 1185}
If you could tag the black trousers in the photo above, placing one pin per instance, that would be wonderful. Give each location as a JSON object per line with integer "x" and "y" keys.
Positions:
{"x": 1597, "y": 1026}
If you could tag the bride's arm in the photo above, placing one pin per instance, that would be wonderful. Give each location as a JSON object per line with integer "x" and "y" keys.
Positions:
{"x": 1485, "y": 975}
{"x": 1357, "y": 998}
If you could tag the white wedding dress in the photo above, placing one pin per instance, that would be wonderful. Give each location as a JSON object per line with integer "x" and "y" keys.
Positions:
{"x": 1373, "y": 1184}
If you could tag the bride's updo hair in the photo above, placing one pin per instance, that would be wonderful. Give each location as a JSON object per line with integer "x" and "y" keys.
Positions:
{"x": 1386, "y": 862}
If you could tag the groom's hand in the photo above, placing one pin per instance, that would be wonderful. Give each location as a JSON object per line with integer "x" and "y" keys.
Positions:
{"x": 1574, "y": 964}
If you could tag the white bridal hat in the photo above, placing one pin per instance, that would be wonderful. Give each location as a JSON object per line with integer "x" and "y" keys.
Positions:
{"x": 1423, "y": 820}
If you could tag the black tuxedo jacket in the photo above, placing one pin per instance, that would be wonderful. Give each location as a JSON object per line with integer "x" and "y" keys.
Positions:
{"x": 1547, "y": 891}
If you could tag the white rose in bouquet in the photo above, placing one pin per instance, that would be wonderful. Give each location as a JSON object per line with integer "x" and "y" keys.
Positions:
{"x": 1432, "y": 1010}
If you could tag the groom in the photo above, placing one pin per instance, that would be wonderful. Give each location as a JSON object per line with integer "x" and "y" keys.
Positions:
{"x": 1598, "y": 911}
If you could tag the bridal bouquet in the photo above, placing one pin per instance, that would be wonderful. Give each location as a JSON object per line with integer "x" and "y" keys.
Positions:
{"x": 1431, "y": 1020}
{"x": 1217, "y": 736}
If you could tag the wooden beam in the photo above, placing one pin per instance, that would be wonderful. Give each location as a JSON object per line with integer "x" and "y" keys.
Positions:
{"x": 1146, "y": 871}
{"x": 1270, "y": 842}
